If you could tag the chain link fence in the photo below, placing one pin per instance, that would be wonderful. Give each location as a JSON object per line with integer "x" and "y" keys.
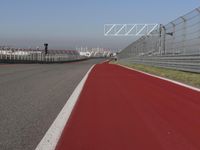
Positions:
{"x": 175, "y": 45}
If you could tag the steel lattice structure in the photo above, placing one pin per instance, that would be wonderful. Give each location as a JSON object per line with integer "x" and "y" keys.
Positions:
{"x": 129, "y": 29}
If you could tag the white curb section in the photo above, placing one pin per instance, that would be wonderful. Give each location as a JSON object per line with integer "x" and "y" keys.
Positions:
{"x": 50, "y": 139}
{"x": 169, "y": 80}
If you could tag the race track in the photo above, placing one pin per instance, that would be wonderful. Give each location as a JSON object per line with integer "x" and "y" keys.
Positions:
{"x": 122, "y": 109}
{"x": 31, "y": 96}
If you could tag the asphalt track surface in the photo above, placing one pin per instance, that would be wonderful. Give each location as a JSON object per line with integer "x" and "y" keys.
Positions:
{"x": 121, "y": 109}
{"x": 31, "y": 96}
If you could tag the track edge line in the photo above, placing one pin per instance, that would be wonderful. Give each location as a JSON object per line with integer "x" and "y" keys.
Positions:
{"x": 166, "y": 79}
{"x": 53, "y": 134}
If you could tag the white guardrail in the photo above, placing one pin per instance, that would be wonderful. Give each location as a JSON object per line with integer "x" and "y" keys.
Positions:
{"x": 184, "y": 63}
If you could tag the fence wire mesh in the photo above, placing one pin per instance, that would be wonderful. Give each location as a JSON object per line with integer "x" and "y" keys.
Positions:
{"x": 179, "y": 38}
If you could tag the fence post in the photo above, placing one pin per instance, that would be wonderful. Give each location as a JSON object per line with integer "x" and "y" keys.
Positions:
{"x": 198, "y": 10}
{"x": 173, "y": 41}
{"x": 184, "y": 34}
{"x": 164, "y": 39}
{"x": 1, "y": 54}
{"x": 160, "y": 39}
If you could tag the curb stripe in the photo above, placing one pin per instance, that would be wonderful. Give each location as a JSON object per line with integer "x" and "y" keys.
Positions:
{"x": 52, "y": 136}
{"x": 162, "y": 78}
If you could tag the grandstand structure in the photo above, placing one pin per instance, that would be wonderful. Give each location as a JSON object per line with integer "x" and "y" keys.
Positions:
{"x": 95, "y": 52}
{"x": 19, "y": 55}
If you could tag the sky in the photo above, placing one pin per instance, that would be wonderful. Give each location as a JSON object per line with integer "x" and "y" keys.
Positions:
{"x": 69, "y": 24}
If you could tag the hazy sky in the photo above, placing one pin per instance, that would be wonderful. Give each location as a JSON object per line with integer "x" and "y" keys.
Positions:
{"x": 67, "y": 24}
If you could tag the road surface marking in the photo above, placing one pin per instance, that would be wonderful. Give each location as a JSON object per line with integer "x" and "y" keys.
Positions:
{"x": 175, "y": 82}
{"x": 50, "y": 139}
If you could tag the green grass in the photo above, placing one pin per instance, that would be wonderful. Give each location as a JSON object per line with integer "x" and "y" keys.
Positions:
{"x": 189, "y": 78}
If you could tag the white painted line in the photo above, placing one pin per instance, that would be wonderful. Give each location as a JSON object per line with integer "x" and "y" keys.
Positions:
{"x": 52, "y": 136}
{"x": 105, "y": 61}
{"x": 169, "y": 80}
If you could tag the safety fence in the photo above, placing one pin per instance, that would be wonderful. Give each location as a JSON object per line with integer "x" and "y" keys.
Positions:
{"x": 175, "y": 45}
{"x": 11, "y": 55}
{"x": 184, "y": 63}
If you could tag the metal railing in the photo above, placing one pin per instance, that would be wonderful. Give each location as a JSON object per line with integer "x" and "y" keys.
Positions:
{"x": 11, "y": 55}
{"x": 175, "y": 45}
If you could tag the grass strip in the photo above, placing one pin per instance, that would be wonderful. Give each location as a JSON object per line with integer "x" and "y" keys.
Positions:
{"x": 189, "y": 78}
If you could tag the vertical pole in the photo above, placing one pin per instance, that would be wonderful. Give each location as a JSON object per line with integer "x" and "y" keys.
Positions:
{"x": 164, "y": 40}
{"x": 184, "y": 34}
{"x": 174, "y": 38}
{"x": 160, "y": 39}
{"x": 46, "y": 48}
{"x": 198, "y": 10}
{"x": 0, "y": 54}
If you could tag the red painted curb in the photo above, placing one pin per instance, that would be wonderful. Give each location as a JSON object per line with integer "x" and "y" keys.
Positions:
{"x": 121, "y": 109}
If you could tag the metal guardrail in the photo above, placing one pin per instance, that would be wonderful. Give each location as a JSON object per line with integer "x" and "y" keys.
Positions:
{"x": 33, "y": 56}
{"x": 175, "y": 45}
{"x": 184, "y": 63}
